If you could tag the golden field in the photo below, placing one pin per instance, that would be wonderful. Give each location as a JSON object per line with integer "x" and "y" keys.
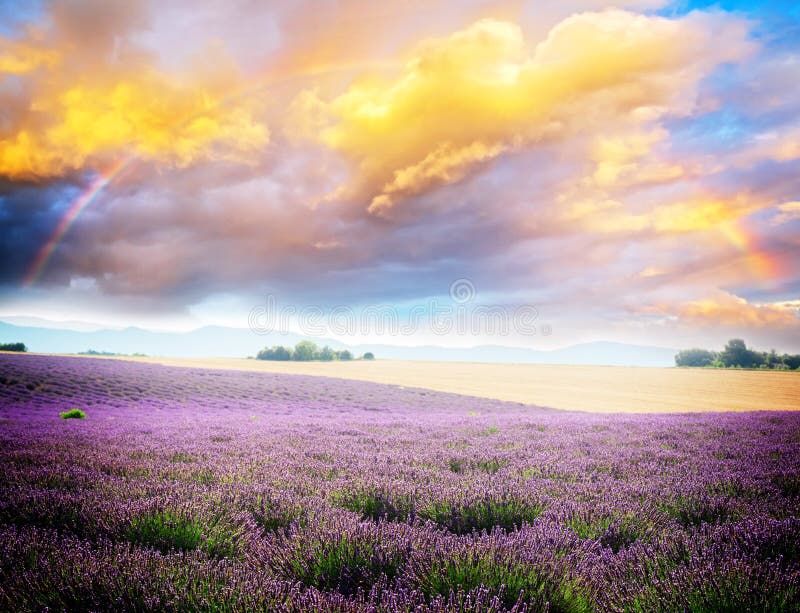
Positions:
{"x": 603, "y": 389}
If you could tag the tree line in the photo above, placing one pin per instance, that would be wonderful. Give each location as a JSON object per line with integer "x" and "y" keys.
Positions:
{"x": 307, "y": 351}
{"x": 737, "y": 354}
{"x": 94, "y": 352}
{"x": 13, "y": 347}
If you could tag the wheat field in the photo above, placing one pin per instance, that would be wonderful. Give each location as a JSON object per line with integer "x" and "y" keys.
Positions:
{"x": 601, "y": 389}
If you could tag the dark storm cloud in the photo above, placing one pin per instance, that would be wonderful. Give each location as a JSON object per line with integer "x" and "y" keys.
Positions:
{"x": 28, "y": 215}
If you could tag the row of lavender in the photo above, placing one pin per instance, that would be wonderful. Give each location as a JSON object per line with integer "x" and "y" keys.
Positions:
{"x": 190, "y": 489}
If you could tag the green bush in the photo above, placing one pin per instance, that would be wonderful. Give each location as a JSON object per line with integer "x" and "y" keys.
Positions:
{"x": 73, "y": 414}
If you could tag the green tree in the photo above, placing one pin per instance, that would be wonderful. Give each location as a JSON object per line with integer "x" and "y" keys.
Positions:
{"x": 305, "y": 351}
{"x": 282, "y": 354}
{"x": 695, "y": 357}
{"x": 345, "y": 355}
{"x": 326, "y": 354}
{"x": 369, "y": 356}
{"x": 279, "y": 354}
{"x": 772, "y": 359}
{"x": 13, "y": 347}
{"x": 791, "y": 361}
{"x": 736, "y": 353}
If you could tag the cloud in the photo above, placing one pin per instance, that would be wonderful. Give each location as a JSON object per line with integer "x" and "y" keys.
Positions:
{"x": 788, "y": 212}
{"x": 694, "y": 214}
{"x": 90, "y": 95}
{"x": 442, "y": 166}
{"x": 722, "y": 309}
{"x": 783, "y": 146}
{"x": 463, "y": 100}
{"x": 22, "y": 57}
{"x": 626, "y": 159}
{"x": 26, "y": 214}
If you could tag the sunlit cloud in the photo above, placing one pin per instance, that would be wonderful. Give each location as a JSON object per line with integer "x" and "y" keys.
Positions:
{"x": 465, "y": 99}
{"x": 21, "y": 57}
{"x": 630, "y": 159}
{"x": 79, "y": 111}
{"x": 730, "y": 311}
{"x": 693, "y": 215}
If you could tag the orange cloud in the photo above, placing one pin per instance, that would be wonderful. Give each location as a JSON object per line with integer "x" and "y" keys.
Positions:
{"x": 444, "y": 165}
{"x": 463, "y": 100}
{"x": 626, "y": 159}
{"x": 694, "y": 215}
{"x": 78, "y": 114}
{"x": 727, "y": 310}
{"x": 21, "y": 57}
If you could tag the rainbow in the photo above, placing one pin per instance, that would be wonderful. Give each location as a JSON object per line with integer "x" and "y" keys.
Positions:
{"x": 761, "y": 264}
{"x": 75, "y": 208}
{"x": 103, "y": 179}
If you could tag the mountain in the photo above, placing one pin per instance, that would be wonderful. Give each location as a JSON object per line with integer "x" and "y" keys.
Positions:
{"x": 210, "y": 341}
{"x": 38, "y": 322}
{"x": 217, "y": 341}
{"x": 595, "y": 354}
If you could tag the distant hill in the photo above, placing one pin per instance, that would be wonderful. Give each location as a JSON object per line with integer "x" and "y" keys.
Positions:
{"x": 210, "y": 341}
{"x": 218, "y": 341}
{"x": 594, "y": 354}
{"x": 38, "y": 322}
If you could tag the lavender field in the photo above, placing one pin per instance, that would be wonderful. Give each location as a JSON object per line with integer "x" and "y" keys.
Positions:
{"x": 201, "y": 490}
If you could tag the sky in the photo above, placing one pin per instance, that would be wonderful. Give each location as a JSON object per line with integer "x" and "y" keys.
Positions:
{"x": 631, "y": 171}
